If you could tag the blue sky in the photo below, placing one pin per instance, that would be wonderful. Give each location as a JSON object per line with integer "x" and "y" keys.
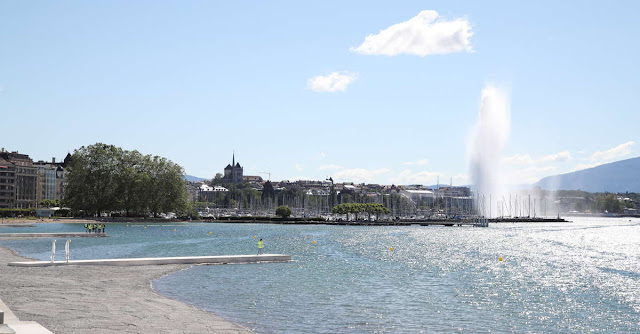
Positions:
{"x": 294, "y": 89}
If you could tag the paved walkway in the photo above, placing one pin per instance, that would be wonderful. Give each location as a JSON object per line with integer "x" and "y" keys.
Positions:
{"x": 223, "y": 259}
{"x": 21, "y": 327}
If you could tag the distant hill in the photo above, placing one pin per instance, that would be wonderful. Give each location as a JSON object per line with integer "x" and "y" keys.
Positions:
{"x": 192, "y": 178}
{"x": 619, "y": 176}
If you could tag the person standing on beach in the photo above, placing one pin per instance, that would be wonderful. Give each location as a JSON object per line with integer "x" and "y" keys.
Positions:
{"x": 260, "y": 247}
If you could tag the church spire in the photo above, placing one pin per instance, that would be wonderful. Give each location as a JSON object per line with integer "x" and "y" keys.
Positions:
{"x": 233, "y": 163}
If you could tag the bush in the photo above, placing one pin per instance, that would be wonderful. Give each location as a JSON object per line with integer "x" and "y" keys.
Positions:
{"x": 17, "y": 212}
{"x": 284, "y": 211}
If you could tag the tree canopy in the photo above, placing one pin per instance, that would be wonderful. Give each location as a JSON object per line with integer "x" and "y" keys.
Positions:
{"x": 358, "y": 208}
{"x": 106, "y": 178}
{"x": 284, "y": 211}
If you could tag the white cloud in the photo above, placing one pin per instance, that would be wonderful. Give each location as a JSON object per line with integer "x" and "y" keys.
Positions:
{"x": 558, "y": 157}
{"x": 612, "y": 154}
{"x": 323, "y": 155}
{"x": 526, "y": 159}
{"x": 330, "y": 166}
{"x": 519, "y": 159}
{"x": 298, "y": 167}
{"x": 603, "y": 157}
{"x": 408, "y": 177}
{"x": 332, "y": 82}
{"x": 419, "y": 162}
{"x": 359, "y": 175}
{"x": 425, "y": 34}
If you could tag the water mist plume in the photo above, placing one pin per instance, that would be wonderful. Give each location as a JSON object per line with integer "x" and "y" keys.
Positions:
{"x": 488, "y": 139}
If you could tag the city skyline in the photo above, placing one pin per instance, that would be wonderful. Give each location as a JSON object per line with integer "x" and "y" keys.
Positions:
{"x": 358, "y": 92}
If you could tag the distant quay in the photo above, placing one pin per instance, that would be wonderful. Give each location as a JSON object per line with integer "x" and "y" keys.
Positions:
{"x": 398, "y": 222}
{"x": 528, "y": 220}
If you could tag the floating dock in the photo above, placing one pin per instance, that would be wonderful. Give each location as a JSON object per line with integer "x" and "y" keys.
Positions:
{"x": 17, "y": 225}
{"x": 223, "y": 259}
{"x": 53, "y": 235}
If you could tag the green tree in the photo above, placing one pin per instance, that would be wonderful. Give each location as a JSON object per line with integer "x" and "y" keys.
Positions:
{"x": 357, "y": 208}
{"x": 375, "y": 209}
{"x": 105, "y": 178}
{"x": 608, "y": 203}
{"x": 267, "y": 191}
{"x": 163, "y": 185}
{"x": 217, "y": 180}
{"x": 92, "y": 183}
{"x": 49, "y": 203}
{"x": 284, "y": 211}
{"x": 130, "y": 182}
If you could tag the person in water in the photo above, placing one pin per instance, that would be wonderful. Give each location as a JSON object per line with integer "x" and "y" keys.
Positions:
{"x": 260, "y": 247}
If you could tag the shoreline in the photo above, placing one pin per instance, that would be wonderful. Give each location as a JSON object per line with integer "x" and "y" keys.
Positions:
{"x": 97, "y": 299}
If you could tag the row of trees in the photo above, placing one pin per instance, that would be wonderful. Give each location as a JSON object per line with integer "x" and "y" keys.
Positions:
{"x": 358, "y": 208}
{"x": 105, "y": 178}
{"x": 611, "y": 204}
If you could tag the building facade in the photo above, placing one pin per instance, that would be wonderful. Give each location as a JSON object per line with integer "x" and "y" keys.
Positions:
{"x": 24, "y": 184}
{"x": 7, "y": 184}
{"x": 26, "y": 179}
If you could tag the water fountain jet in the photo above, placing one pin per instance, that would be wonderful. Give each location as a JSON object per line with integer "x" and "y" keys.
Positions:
{"x": 488, "y": 139}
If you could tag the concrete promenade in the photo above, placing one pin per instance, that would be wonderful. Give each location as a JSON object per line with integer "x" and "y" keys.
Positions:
{"x": 102, "y": 300}
{"x": 53, "y": 235}
{"x": 17, "y": 326}
{"x": 224, "y": 259}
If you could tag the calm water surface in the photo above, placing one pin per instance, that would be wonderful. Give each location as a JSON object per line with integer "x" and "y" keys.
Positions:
{"x": 555, "y": 278}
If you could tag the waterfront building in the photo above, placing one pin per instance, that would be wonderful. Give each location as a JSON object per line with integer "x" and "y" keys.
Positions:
{"x": 25, "y": 181}
{"x": 46, "y": 181}
{"x": 7, "y": 184}
{"x": 252, "y": 178}
{"x": 208, "y": 194}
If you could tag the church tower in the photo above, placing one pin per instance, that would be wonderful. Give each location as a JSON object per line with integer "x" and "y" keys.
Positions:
{"x": 234, "y": 172}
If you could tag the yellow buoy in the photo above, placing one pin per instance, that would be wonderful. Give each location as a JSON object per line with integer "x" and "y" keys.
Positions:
{"x": 210, "y": 233}
{"x": 314, "y": 242}
{"x": 500, "y": 259}
{"x": 390, "y": 248}
{"x": 254, "y": 236}
{"x": 174, "y": 230}
{"x": 145, "y": 227}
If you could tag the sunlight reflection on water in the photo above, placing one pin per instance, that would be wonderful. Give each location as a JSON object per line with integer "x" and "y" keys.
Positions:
{"x": 559, "y": 278}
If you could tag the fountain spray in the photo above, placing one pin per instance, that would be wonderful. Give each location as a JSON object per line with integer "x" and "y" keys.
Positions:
{"x": 488, "y": 139}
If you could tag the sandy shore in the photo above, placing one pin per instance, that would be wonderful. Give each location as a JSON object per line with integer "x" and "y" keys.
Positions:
{"x": 99, "y": 299}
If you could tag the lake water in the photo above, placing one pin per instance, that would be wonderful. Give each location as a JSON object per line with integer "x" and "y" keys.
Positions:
{"x": 554, "y": 278}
